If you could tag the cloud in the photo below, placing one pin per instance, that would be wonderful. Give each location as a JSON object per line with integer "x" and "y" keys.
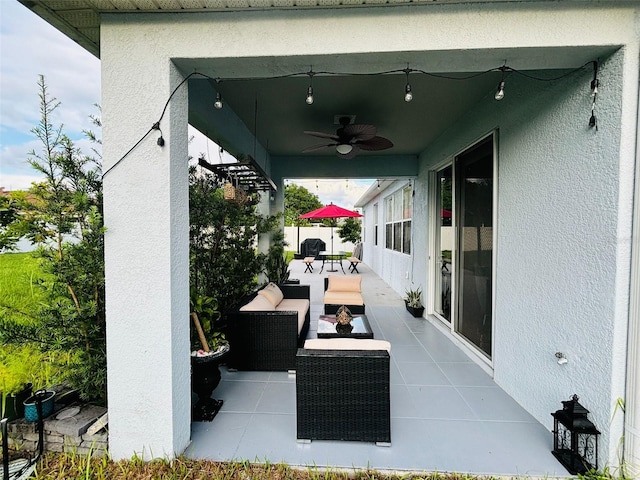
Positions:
{"x": 341, "y": 192}
{"x": 29, "y": 47}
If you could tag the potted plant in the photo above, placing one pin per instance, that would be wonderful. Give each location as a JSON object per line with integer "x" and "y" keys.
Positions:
{"x": 22, "y": 371}
{"x": 413, "y": 302}
{"x": 208, "y": 349}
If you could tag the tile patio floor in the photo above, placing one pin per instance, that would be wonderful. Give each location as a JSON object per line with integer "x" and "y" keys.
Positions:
{"x": 447, "y": 414}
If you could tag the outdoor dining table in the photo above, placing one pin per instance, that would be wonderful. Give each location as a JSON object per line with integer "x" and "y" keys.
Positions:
{"x": 332, "y": 257}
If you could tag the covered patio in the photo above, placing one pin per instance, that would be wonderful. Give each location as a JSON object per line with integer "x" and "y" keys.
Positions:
{"x": 447, "y": 413}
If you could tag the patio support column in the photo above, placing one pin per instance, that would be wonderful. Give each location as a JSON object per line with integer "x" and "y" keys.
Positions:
{"x": 632, "y": 406}
{"x": 146, "y": 252}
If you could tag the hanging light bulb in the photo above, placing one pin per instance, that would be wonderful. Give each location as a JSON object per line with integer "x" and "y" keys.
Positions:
{"x": 218, "y": 102}
{"x": 408, "y": 96}
{"x": 309, "y": 99}
{"x": 310, "y": 95}
{"x": 500, "y": 91}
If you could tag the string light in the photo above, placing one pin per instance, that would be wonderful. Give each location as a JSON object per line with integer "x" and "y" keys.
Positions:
{"x": 218, "y": 103}
{"x": 595, "y": 83}
{"x": 500, "y": 90}
{"x": 309, "y": 99}
{"x": 408, "y": 96}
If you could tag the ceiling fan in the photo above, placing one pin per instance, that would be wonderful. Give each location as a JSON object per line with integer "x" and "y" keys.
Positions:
{"x": 350, "y": 138}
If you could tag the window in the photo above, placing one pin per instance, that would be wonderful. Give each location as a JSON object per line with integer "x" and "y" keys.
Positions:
{"x": 398, "y": 210}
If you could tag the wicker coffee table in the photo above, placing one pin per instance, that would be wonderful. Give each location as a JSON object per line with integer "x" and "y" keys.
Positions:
{"x": 328, "y": 327}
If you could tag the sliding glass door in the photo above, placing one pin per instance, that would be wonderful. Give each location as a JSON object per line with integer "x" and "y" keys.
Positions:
{"x": 464, "y": 245}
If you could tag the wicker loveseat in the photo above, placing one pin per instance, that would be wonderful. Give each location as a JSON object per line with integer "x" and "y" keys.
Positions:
{"x": 267, "y": 337}
{"x": 342, "y": 391}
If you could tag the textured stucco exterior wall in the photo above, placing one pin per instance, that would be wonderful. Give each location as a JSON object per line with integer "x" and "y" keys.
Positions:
{"x": 147, "y": 257}
{"x": 562, "y": 240}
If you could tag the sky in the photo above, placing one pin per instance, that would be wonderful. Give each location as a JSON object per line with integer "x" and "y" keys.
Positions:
{"x": 29, "y": 46}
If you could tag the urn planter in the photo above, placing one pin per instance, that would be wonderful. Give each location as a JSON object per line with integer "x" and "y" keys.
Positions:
{"x": 205, "y": 377}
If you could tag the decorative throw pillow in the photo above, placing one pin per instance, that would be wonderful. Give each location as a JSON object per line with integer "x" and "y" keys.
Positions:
{"x": 258, "y": 304}
{"x": 272, "y": 293}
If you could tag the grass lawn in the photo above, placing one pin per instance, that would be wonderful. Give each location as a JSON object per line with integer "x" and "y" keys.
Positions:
{"x": 19, "y": 293}
{"x": 66, "y": 466}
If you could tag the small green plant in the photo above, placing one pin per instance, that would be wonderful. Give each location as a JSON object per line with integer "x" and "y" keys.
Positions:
{"x": 412, "y": 297}
{"x": 277, "y": 265}
{"x": 206, "y": 309}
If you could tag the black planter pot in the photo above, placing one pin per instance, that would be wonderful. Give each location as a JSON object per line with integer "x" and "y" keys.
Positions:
{"x": 14, "y": 404}
{"x": 415, "y": 311}
{"x": 205, "y": 377}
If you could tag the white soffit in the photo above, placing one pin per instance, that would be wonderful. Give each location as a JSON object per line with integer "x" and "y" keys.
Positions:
{"x": 80, "y": 19}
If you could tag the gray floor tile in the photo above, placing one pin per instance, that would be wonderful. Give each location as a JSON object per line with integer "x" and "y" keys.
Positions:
{"x": 219, "y": 439}
{"x": 240, "y": 397}
{"x": 268, "y": 438}
{"x": 436, "y": 402}
{"x": 412, "y": 353}
{"x": 278, "y": 397}
{"x": 466, "y": 374}
{"x": 401, "y": 403}
{"x": 492, "y": 403}
{"x": 422, "y": 374}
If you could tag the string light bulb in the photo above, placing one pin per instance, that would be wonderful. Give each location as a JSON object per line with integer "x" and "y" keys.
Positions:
{"x": 408, "y": 95}
{"x": 309, "y": 99}
{"x": 218, "y": 103}
{"x": 500, "y": 91}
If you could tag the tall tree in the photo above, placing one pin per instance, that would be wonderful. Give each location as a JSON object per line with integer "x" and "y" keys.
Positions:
{"x": 349, "y": 229}
{"x": 63, "y": 215}
{"x": 298, "y": 200}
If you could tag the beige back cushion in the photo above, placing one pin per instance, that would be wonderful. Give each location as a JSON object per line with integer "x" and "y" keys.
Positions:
{"x": 272, "y": 293}
{"x": 258, "y": 304}
{"x": 352, "y": 283}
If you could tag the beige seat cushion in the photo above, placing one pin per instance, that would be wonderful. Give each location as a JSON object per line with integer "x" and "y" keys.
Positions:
{"x": 272, "y": 293}
{"x": 354, "y": 260}
{"x": 346, "y": 344}
{"x": 343, "y": 298}
{"x": 300, "y": 305}
{"x": 258, "y": 304}
{"x": 337, "y": 283}
{"x": 309, "y": 259}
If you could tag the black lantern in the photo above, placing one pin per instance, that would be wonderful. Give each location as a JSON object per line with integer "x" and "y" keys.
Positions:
{"x": 575, "y": 438}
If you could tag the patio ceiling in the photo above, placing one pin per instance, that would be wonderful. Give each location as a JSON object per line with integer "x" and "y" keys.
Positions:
{"x": 282, "y": 114}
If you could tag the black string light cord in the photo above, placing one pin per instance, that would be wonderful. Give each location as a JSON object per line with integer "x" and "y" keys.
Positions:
{"x": 504, "y": 69}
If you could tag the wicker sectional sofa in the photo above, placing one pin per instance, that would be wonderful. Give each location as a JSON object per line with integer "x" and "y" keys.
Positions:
{"x": 267, "y": 337}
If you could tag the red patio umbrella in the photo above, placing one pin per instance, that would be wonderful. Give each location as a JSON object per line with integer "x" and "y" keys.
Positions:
{"x": 330, "y": 211}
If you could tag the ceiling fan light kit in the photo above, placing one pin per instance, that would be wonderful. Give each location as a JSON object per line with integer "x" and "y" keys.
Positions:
{"x": 350, "y": 138}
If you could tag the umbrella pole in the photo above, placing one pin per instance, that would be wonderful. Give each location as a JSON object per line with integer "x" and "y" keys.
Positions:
{"x": 332, "y": 269}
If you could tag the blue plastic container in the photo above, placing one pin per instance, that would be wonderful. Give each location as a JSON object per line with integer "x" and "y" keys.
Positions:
{"x": 31, "y": 408}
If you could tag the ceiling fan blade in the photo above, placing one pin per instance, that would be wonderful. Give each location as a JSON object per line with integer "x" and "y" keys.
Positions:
{"x": 360, "y": 132}
{"x": 348, "y": 156}
{"x": 376, "y": 143}
{"x": 332, "y": 136}
{"x": 315, "y": 148}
